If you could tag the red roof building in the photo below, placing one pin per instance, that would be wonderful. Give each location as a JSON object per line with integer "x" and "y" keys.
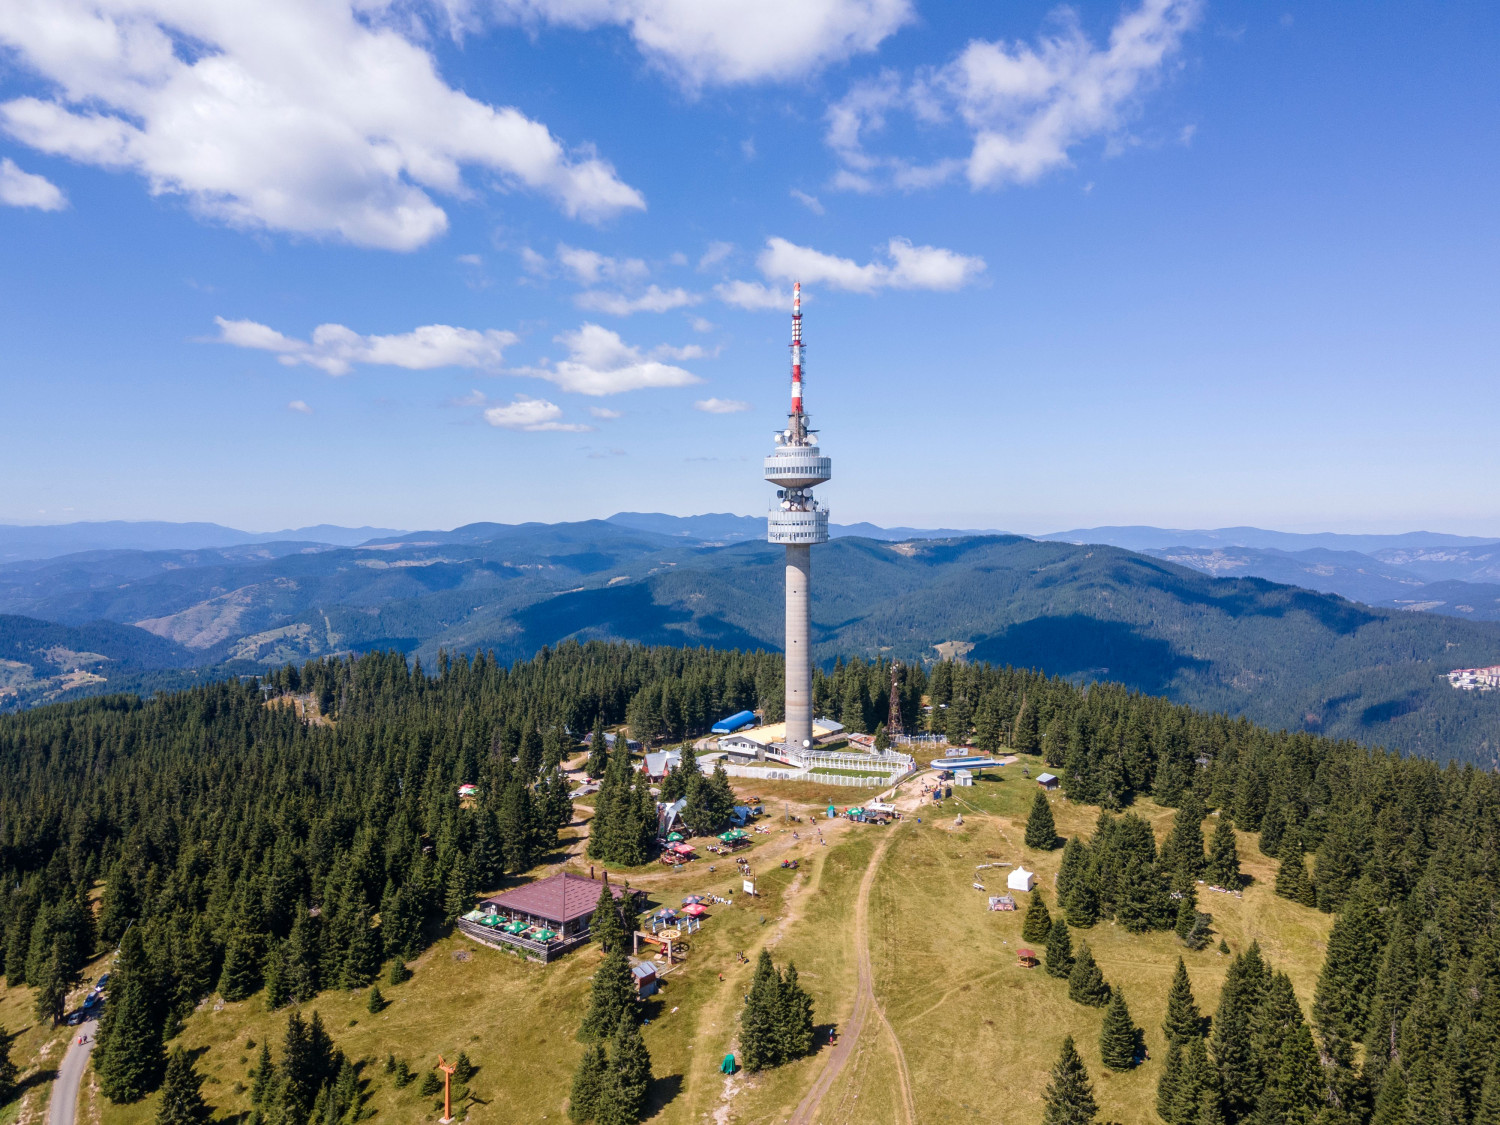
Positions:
{"x": 559, "y": 900}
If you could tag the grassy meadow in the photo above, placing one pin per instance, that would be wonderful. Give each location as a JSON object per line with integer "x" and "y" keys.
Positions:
{"x": 978, "y": 1033}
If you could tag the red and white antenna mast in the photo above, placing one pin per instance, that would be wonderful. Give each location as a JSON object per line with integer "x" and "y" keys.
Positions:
{"x": 799, "y": 426}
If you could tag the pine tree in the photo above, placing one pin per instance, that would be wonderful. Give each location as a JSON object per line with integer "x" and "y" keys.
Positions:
{"x": 1119, "y": 1035}
{"x": 631, "y": 1064}
{"x": 760, "y": 1021}
{"x": 1086, "y": 983}
{"x": 1223, "y": 868}
{"x": 9, "y": 1073}
{"x": 1182, "y": 852}
{"x": 399, "y": 973}
{"x": 588, "y": 1080}
{"x": 265, "y": 1077}
{"x": 1073, "y": 868}
{"x": 1169, "y": 1084}
{"x": 598, "y": 760}
{"x": 1038, "y": 924}
{"x": 1041, "y": 829}
{"x": 1188, "y": 926}
{"x": 612, "y": 995}
{"x": 1196, "y": 1099}
{"x": 304, "y": 956}
{"x": 796, "y": 1016}
{"x": 1293, "y": 1090}
{"x": 129, "y": 1058}
{"x": 1291, "y": 873}
{"x": 606, "y": 926}
{"x": 51, "y": 985}
{"x": 463, "y": 1068}
{"x": 1069, "y": 1099}
{"x": 1183, "y": 1021}
{"x": 1244, "y": 985}
{"x": 1341, "y": 1002}
{"x": 278, "y": 988}
{"x": 362, "y": 958}
{"x": 1059, "y": 957}
{"x": 376, "y": 1002}
{"x": 181, "y": 1102}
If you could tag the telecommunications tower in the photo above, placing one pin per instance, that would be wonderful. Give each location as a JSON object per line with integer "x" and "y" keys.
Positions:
{"x": 797, "y": 521}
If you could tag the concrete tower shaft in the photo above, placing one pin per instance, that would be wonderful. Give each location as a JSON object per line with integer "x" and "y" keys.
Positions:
{"x": 796, "y": 466}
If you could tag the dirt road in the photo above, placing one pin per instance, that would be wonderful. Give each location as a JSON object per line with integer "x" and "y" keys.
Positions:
{"x": 63, "y": 1107}
{"x": 864, "y": 1003}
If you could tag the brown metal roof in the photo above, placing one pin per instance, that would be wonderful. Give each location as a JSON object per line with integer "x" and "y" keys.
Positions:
{"x": 559, "y": 898}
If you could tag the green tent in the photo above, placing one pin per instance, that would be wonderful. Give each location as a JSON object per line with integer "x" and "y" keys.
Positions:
{"x": 727, "y": 1066}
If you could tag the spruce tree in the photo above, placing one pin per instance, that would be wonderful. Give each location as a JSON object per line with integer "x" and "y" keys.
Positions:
{"x": 611, "y": 996}
{"x": 129, "y": 1058}
{"x": 598, "y": 760}
{"x": 362, "y": 958}
{"x": 240, "y": 976}
{"x": 760, "y": 1020}
{"x": 1119, "y": 1035}
{"x": 265, "y": 1077}
{"x": 376, "y": 1002}
{"x": 304, "y": 956}
{"x": 606, "y": 926}
{"x": 1294, "y": 1083}
{"x": 1341, "y": 1002}
{"x": 1038, "y": 924}
{"x": 1240, "y": 1080}
{"x": 9, "y": 1073}
{"x": 588, "y": 1080}
{"x": 1041, "y": 829}
{"x": 1073, "y": 867}
{"x": 796, "y": 1017}
{"x": 278, "y": 987}
{"x": 1059, "y": 956}
{"x": 399, "y": 973}
{"x": 1291, "y": 873}
{"x": 1183, "y": 1021}
{"x": 181, "y": 1101}
{"x": 1169, "y": 1085}
{"x": 631, "y": 1064}
{"x": 1182, "y": 852}
{"x": 1069, "y": 1098}
{"x": 51, "y": 985}
{"x": 1196, "y": 1099}
{"x": 1086, "y": 983}
{"x": 1223, "y": 868}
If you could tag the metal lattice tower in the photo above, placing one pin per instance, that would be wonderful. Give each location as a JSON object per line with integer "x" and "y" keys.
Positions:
{"x": 797, "y": 521}
{"x": 893, "y": 726}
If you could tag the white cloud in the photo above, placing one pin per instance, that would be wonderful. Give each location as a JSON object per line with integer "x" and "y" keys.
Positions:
{"x": 702, "y": 325}
{"x": 605, "y": 412}
{"x": 336, "y": 349}
{"x": 317, "y": 118}
{"x": 811, "y": 202}
{"x": 299, "y": 406}
{"x": 589, "y": 267}
{"x": 716, "y": 253}
{"x": 534, "y": 415}
{"x": 26, "y": 189}
{"x": 721, "y": 405}
{"x": 471, "y": 259}
{"x": 1025, "y": 105}
{"x": 753, "y": 295}
{"x": 702, "y": 43}
{"x": 910, "y": 267}
{"x": 654, "y": 299}
{"x": 600, "y": 363}
{"x": 687, "y": 351}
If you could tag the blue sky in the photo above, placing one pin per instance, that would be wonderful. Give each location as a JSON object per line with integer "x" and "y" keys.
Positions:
{"x": 415, "y": 265}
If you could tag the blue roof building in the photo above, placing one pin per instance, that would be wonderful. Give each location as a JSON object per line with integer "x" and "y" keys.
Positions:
{"x": 734, "y": 722}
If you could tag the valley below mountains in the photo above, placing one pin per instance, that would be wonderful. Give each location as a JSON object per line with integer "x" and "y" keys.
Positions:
{"x": 1178, "y": 621}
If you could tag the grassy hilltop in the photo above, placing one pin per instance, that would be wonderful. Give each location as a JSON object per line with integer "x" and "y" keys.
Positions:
{"x": 976, "y": 1030}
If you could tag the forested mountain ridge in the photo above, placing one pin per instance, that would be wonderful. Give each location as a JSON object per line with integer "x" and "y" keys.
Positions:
{"x": 217, "y": 823}
{"x": 1284, "y": 656}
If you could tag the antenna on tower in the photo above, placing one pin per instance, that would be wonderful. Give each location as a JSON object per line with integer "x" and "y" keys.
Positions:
{"x": 799, "y": 421}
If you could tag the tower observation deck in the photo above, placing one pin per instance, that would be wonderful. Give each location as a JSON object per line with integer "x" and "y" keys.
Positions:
{"x": 795, "y": 467}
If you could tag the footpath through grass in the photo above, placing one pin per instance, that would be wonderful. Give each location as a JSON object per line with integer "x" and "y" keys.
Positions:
{"x": 979, "y": 1033}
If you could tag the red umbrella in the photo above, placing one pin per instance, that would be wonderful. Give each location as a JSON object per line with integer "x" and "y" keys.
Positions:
{"x": 694, "y": 909}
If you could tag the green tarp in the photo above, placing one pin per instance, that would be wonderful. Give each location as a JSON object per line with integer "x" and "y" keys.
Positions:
{"x": 727, "y": 1066}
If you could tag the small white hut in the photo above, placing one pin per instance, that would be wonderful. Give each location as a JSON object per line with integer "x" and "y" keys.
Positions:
{"x": 1021, "y": 880}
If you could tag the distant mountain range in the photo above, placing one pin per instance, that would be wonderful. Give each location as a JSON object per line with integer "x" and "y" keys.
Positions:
{"x": 19, "y": 542}
{"x": 1281, "y": 654}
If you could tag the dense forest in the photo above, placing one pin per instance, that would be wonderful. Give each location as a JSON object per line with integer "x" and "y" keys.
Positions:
{"x": 247, "y": 847}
